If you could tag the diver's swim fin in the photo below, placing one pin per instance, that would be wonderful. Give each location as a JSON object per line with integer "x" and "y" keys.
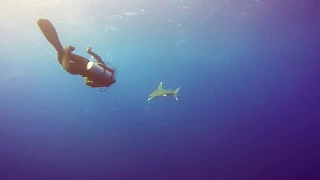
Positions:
{"x": 50, "y": 33}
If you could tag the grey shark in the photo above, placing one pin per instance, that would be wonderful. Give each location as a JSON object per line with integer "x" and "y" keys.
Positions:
{"x": 160, "y": 92}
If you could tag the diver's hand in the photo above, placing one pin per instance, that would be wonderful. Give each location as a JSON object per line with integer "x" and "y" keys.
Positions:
{"x": 89, "y": 49}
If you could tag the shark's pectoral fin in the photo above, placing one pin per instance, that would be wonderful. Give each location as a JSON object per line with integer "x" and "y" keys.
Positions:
{"x": 164, "y": 95}
{"x": 150, "y": 98}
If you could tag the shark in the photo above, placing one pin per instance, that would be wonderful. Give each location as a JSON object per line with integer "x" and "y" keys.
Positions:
{"x": 160, "y": 92}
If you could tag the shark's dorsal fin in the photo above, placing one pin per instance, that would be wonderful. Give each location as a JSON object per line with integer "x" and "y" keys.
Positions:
{"x": 160, "y": 86}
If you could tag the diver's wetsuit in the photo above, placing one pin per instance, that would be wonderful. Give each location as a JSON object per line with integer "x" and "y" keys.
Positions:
{"x": 72, "y": 63}
{"x": 78, "y": 65}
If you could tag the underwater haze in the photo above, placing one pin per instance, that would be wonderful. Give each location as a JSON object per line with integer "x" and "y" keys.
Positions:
{"x": 248, "y": 101}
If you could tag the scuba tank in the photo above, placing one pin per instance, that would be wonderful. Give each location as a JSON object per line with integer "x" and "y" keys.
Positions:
{"x": 99, "y": 71}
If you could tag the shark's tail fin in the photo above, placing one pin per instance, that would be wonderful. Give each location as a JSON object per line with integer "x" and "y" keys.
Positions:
{"x": 175, "y": 92}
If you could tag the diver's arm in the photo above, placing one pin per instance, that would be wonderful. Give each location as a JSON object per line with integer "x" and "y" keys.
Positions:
{"x": 95, "y": 56}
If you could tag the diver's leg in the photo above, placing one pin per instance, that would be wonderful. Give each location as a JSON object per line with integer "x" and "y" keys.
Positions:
{"x": 74, "y": 64}
{"x": 65, "y": 58}
{"x": 79, "y": 59}
{"x": 50, "y": 34}
{"x": 78, "y": 65}
{"x": 95, "y": 56}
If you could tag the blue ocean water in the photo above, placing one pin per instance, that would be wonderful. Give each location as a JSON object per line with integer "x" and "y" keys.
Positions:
{"x": 248, "y": 99}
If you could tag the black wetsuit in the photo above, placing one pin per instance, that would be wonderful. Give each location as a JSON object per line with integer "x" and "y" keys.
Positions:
{"x": 78, "y": 66}
{"x": 78, "y": 63}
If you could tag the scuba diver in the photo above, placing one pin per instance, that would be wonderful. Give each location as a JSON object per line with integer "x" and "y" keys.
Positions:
{"x": 95, "y": 74}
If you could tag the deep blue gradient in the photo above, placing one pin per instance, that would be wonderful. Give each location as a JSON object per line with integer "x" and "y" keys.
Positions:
{"x": 248, "y": 103}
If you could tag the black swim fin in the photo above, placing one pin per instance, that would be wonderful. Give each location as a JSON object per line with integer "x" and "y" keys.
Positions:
{"x": 50, "y": 33}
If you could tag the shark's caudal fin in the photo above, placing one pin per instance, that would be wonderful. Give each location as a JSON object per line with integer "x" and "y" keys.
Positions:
{"x": 175, "y": 92}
